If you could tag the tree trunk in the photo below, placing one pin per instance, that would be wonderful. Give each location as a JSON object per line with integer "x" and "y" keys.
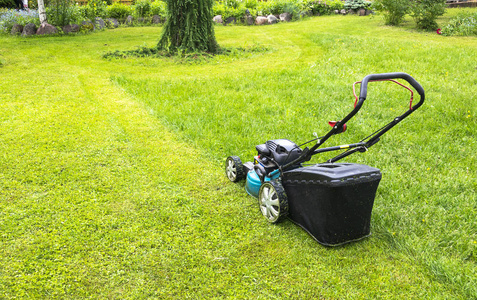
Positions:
{"x": 41, "y": 11}
{"x": 189, "y": 27}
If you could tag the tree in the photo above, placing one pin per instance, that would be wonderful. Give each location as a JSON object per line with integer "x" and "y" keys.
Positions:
{"x": 41, "y": 11}
{"x": 189, "y": 27}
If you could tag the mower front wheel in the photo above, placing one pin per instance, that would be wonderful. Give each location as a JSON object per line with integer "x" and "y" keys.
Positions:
{"x": 273, "y": 201}
{"x": 234, "y": 169}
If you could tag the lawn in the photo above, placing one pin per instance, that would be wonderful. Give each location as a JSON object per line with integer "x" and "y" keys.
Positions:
{"x": 112, "y": 180}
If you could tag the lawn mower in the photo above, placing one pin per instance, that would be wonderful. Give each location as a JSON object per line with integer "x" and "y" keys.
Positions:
{"x": 331, "y": 201}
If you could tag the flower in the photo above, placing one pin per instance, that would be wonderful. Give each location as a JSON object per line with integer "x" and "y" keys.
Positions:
{"x": 438, "y": 31}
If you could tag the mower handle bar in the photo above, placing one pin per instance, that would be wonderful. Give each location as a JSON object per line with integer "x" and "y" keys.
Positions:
{"x": 337, "y": 128}
{"x": 386, "y": 76}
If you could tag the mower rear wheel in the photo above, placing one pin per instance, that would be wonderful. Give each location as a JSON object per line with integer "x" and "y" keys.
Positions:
{"x": 234, "y": 169}
{"x": 273, "y": 201}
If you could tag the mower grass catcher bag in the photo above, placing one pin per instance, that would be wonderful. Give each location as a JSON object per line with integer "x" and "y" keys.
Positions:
{"x": 332, "y": 202}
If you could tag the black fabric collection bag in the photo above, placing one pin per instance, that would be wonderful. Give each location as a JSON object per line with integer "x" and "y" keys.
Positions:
{"x": 332, "y": 202}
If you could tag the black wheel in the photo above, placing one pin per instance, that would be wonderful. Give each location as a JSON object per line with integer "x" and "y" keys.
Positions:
{"x": 234, "y": 169}
{"x": 273, "y": 201}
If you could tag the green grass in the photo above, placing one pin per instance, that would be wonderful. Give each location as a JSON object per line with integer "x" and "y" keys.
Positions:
{"x": 112, "y": 177}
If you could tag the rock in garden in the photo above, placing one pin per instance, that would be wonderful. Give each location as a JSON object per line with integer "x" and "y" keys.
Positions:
{"x": 230, "y": 20}
{"x": 248, "y": 20}
{"x": 129, "y": 20}
{"x": 285, "y": 17}
{"x": 46, "y": 28}
{"x": 29, "y": 29}
{"x": 99, "y": 23}
{"x": 17, "y": 29}
{"x": 87, "y": 25}
{"x": 156, "y": 19}
{"x": 218, "y": 19}
{"x": 261, "y": 21}
{"x": 362, "y": 12}
{"x": 272, "y": 19}
{"x": 112, "y": 23}
{"x": 337, "y": 11}
{"x": 70, "y": 28}
{"x": 369, "y": 12}
{"x": 343, "y": 12}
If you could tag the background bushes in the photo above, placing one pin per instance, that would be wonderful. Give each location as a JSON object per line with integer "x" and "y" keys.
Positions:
{"x": 425, "y": 12}
{"x": 256, "y": 8}
{"x": 7, "y": 3}
{"x": 464, "y": 24}
{"x": 392, "y": 10}
{"x": 119, "y": 11}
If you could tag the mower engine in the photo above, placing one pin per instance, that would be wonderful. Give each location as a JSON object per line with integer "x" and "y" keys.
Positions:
{"x": 275, "y": 153}
{"x": 271, "y": 155}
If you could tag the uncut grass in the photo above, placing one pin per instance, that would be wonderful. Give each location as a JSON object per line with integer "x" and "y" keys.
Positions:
{"x": 103, "y": 201}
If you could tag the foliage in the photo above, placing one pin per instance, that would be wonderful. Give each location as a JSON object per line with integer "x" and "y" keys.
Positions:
{"x": 158, "y": 8}
{"x": 119, "y": 11}
{"x": 7, "y": 3}
{"x": 393, "y": 10}
{"x": 250, "y": 4}
{"x": 322, "y": 7}
{"x": 463, "y": 24}
{"x": 275, "y": 7}
{"x": 335, "y": 5}
{"x": 10, "y": 17}
{"x": 142, "y": 8}
{"x": 83, "y": 11}
{"x": 96, "y": 9}
{"x": 356, "y": 4}
{"x": 63, "y": 12}
{"x": 189, "y": 27}
{"x": 226, "y": 11}
{"x": 425, "y": 12}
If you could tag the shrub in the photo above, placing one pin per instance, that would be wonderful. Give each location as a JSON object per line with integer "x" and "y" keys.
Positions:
{"x": 292, "y": 7}
{"x": 96, "y": 8}
{"x": 9, "y": 17}
{"x": 119, "y": 11}
{"x": 335, "y": 5}
{"x": 7, "y": 3}
{"x": 463, "y": 24}
{"x": 425, "y": 12}
{"x": 250, "y": 4}
{"x": 82, "y": 11}
{"x": 393, "y": 10}
{"x": 356, "y": 4}
{"x": 158, "y": 8}
{"x": 142, "y": 8}
{"x": 62, "y": 12}
{"x": 322, "y": 7}
{"x": 316, "y": 6}
{"x": 227, "y": 11}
